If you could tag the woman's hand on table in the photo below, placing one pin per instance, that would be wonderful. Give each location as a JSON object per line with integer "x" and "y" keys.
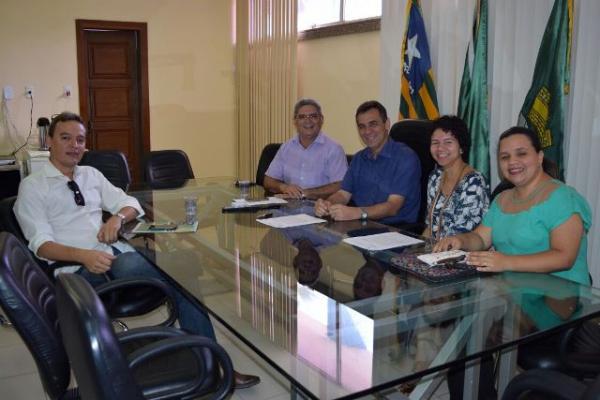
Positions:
{"x": 448, "y": 243}
{"x": 489, "y": 261}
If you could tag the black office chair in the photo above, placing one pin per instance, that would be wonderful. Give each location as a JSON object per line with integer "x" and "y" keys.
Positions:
{"x": 8, "y": 221}
{"x": 28, "y": 298}
{"x": 266, "y": 156}
{"x": 112, "y": 164}
{"x": 416, "y": 134}
{"x": 349, "y": 158}
{"x": 185, "y": 366}
{"x": 166, "y": 169}
{"x": 133, "y": 300}
{"x": 550, "y": 384}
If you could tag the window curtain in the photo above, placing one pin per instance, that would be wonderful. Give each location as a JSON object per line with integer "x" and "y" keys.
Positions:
{"x": 583, "y": 120}
{"x": 515, "y": 33}
{"x": 265, "y": 77}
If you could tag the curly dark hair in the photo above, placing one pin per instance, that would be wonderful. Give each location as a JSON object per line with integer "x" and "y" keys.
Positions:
{"x": 456, "y": 127}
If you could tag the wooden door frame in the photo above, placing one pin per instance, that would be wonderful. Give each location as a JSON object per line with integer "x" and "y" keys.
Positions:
{"x": 142, "y": 33}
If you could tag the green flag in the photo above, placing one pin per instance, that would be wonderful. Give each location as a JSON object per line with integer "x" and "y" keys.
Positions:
{"x": 473, "y": 98}
{"x": 544, "y": 107}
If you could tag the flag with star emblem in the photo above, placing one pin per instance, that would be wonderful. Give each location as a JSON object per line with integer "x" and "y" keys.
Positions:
{"x": 544, "y": 106}
{"x": 418, "y": 98}
{"x": 473, "y": 98}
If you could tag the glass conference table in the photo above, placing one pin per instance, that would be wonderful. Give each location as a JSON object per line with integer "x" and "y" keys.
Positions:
{"x": 338, "y": 322}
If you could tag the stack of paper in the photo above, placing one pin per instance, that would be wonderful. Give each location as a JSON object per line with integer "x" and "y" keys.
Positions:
{"x": 289, "y": 221}
{"x": 382, "y": 241}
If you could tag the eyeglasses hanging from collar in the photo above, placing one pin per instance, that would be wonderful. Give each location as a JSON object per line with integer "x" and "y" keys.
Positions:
{"x": 79, "y": 200}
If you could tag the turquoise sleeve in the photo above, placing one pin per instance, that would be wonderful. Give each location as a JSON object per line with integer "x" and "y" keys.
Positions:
{"x": 562, "y": 204}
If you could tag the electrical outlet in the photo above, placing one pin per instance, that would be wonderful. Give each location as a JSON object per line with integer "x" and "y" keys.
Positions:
{"x": 29, "y": 92}
{"x": 67, "y": 90}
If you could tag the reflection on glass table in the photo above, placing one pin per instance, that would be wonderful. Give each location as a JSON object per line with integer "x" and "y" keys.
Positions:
{"x": 335, "y": 321}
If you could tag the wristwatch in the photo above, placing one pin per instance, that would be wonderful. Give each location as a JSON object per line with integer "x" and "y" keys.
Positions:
{"x": 122, "y": 216}
{"x": 363, "y": 214}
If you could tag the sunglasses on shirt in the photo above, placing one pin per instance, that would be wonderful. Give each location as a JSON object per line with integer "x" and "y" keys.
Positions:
{"x": 79, "y": 200}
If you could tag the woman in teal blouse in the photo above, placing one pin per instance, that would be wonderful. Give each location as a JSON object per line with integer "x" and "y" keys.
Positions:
{"x": 540, "y": 225}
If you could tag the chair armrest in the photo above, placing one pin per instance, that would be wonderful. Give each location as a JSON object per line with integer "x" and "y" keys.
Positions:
{"x": 552, "y": 383}
{"x": 112, "y": 291}
{"x": 149, "y": 332}
{"x": 579, "y": 349}
{"x": 195, "y": 344}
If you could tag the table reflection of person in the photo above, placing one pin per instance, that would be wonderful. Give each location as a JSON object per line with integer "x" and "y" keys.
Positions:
{"x": 538, "y": 226}
{"x": 307, "y": 263}
{"x": 368, "y": 281}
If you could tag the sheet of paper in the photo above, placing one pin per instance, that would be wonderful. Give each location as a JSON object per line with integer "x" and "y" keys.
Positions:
{"x": 382, "y": 241}
{"x": 252, "y": 203}
{"x": 144, "y": 227}
{"x": 289, "y": 221}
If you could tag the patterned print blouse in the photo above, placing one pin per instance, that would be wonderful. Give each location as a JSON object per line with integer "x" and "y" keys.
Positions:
{"x": 464, "y": 210}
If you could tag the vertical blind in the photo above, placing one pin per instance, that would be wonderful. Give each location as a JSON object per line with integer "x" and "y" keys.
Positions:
{"x": 266, "y": 37}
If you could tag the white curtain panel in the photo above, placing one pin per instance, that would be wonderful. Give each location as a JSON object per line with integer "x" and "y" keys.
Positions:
{"x": 583, "y": 120}
{"x": 515, "y": 31}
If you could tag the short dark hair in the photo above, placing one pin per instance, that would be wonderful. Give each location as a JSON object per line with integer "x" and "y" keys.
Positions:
{"x": 456, "y": 127}
{"x": 307, "y": 102}
{"x": 64, "y": 116}
{"x": 369, "y": 105}
{"x": 521, "y": 130}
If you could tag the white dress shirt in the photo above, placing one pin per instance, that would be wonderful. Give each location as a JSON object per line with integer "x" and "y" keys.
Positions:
{"x": 46, "y": 209}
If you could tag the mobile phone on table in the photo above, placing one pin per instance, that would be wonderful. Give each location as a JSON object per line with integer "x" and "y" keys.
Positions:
{"x": 169, "y": 226}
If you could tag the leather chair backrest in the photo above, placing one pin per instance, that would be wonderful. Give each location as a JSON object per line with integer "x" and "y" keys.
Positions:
{"x": 349, "y": 158}
{"x": 112, "y": 164}
{"x": 167, "y": 168}
{"x": 266, "y": 156}
{"x": 416, "y": 134}
{"x": 8, "y": 221}
{"x": 28, "y": 299}
{"x": 98, "y": 362}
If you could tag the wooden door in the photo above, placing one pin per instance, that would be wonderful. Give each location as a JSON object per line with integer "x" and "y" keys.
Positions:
{"x": 111, "y": 82}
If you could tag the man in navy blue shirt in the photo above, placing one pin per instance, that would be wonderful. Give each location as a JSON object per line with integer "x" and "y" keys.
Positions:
{"x": 383, "y": 179}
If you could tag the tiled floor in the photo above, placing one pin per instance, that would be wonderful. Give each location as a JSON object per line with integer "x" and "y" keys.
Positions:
{"x": 19, "y": 378}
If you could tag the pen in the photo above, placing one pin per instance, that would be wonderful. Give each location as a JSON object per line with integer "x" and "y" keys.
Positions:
{"x": 265, "y": 216}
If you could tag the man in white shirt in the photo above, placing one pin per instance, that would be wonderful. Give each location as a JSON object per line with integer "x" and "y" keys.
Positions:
{"x": 59, "y": 209}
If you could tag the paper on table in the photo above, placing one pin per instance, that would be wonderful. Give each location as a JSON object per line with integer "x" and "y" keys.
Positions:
{"x": 251, "y": 203}
{"x": 382, "y": 241}
{"x": 289, "y": 221}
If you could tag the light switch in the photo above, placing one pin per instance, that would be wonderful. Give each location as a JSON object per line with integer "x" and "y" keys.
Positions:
{"x": 7, "y": 93}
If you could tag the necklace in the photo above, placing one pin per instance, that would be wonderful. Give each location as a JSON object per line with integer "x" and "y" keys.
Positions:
{"x": 530, "y": 196}
{"x": 436, "y": 198}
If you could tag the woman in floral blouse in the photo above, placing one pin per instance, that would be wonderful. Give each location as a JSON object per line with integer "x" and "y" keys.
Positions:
{"x": 457, "y": 194}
